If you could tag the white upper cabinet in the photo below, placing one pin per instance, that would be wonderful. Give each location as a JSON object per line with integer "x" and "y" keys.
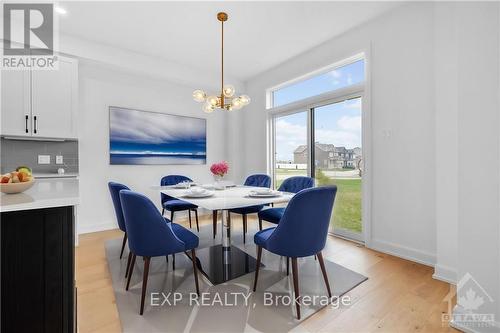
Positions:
{"x": 16, "y": 117}
{"x": 54, "y": 101}
{"x": 41, "y": 103}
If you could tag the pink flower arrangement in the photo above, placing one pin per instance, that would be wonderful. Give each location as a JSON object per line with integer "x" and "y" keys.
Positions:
{"x": 219, "y": 169}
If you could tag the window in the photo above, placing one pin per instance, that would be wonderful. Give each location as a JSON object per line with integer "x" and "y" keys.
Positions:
{"x": 337, "y": 78}
{"x": 321, "y": 137}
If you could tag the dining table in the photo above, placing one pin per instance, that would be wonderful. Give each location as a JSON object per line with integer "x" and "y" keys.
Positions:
{"x": 225, "y": 261}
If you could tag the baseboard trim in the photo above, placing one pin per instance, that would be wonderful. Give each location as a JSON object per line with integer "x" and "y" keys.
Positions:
{"x": 457, "y": 310}
{"x": 445, "y": 274}
{"x": 404, "y": 252}
{"x": 85, "y": 228}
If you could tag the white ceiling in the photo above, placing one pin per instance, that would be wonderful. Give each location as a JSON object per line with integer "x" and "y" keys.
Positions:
{"x": 258, "y": 35}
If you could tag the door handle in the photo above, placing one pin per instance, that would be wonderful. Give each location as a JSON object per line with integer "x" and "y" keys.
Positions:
{"x": 34, "y": 123}
{"x": 26, "y": 125}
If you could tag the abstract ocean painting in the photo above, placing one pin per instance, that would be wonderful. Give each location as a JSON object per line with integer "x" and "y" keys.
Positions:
{"x": 143, "y": 137}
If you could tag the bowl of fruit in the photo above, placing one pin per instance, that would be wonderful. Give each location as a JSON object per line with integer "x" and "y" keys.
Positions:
{"x": 17, "y": 181}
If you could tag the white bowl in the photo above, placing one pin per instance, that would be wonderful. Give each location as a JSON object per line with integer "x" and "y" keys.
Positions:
{"x": 11, "y": 188}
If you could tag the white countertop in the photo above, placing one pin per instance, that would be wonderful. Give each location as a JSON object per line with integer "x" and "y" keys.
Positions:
{"x": 45, "y": 193}
{"x": 232, "y": 197}
{"x": 39, "y": 175}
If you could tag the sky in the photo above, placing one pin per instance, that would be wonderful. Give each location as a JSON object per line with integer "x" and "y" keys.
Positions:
{"x": 140, "y": 131}
{"x": 338, "y": 124}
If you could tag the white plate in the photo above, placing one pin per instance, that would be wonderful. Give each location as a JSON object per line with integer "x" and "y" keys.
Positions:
{"x": 183, "y": 185}
{"x": 199, "y": 195}
{"x": 264, "y": 195}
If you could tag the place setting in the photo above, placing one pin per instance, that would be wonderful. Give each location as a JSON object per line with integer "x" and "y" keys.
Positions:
{"x": 264, "y": 193}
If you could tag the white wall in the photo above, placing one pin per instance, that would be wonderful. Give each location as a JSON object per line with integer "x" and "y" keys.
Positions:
{"x": 101, "y": 87}
{"x": 402, "y": 102}
{"x": 478, "y": 87}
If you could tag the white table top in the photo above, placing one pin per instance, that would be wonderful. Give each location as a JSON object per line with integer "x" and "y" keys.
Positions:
{"x": 45, "y": 193}
{"x": 233, "y": 197}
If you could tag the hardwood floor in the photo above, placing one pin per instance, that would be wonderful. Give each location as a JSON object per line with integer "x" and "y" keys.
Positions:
{"x": 399, "y": 296}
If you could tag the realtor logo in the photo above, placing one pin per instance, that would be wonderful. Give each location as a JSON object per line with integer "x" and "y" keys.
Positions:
{"x": 29, "y": 41}
{"x": 473, "y": 298}
{"x": 31, "y": 26}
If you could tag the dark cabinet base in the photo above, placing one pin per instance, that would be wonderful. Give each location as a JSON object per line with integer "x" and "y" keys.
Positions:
{"x": 37, "y": 270}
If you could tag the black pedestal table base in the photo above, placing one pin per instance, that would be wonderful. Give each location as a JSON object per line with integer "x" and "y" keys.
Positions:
{"x": 220, "y": 264}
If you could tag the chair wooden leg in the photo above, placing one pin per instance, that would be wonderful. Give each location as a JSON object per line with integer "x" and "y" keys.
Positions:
{"x": 172, "y": 216}
{"x": 128, "y": 263}
{"x": 214, "y": 222}
{"x": 325, "y": 276}
{"x": 260, "y": 223}
{"x": 173, "y": 261}
{"x": 196, "y": 217}
{"x": 244, "y": 228}
{"x": 257, "y": 267}
{"x": 144, "y": 283}
{"x": 195, "y": 270}
{"x": 130, "y": 271}
{"x": 123, "y": 244}
{"x": 295, "y": 273}
{"x": 287, "y": 266}
{"x": 189, "y": 213}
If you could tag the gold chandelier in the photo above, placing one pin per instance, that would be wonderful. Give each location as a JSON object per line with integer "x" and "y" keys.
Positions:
{"x": 224, "y": 101}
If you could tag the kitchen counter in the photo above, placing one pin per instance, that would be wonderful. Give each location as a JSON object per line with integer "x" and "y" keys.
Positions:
{"x": 37, "y": 233}
{"x": 38, "y": 175}
{"x": 45, "y": 193}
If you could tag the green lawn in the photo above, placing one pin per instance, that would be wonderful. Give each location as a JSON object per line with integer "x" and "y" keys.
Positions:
{"x": 347, "y": 209}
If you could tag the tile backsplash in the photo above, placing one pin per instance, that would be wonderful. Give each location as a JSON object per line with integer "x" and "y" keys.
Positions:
{"x": 25, "y": 152}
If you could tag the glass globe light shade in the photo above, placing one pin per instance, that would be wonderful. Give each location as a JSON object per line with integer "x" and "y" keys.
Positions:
{"x": 199, "y": 95}
{"x": 228, "y": 90}
{"x": 245, "y": 99}
{"x": 212, "y": 100}
{"x": 208, "y": 108}
{"x": 236, "y": 103}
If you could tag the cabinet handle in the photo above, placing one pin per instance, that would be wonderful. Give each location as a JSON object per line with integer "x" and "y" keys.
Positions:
{"x": 26, "y": 126}
{"x": 34, "y": 122}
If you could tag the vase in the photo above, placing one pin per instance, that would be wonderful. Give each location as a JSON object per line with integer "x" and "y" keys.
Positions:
{"x": 218, "y": 178}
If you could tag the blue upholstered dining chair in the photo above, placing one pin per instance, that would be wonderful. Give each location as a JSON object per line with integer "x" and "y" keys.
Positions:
{"x": 258, "y": 180}
{"x": 150, "y": 235}
{"x": 114, "y": 189}
{"x": 301, "y": 232}
{"x": 291, "y": 185}
{"x": 174, "y": 205}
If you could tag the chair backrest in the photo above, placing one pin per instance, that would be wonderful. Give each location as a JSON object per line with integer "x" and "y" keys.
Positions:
{"x": 171, "y": 180}
{"x": 148, "y": 232}
{"x": 296, "y": 184}
{"x": 114, "y": 189}
{"x": 304, "y": 226}
{"x": 259, "y": 180}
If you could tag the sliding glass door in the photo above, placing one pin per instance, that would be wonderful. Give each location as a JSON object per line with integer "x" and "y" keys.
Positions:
{"x": 290, "y": 146}
{"x": 338, "y": 160}
{"x": 335, "y": 128}
{"x": 317, "y": 131}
